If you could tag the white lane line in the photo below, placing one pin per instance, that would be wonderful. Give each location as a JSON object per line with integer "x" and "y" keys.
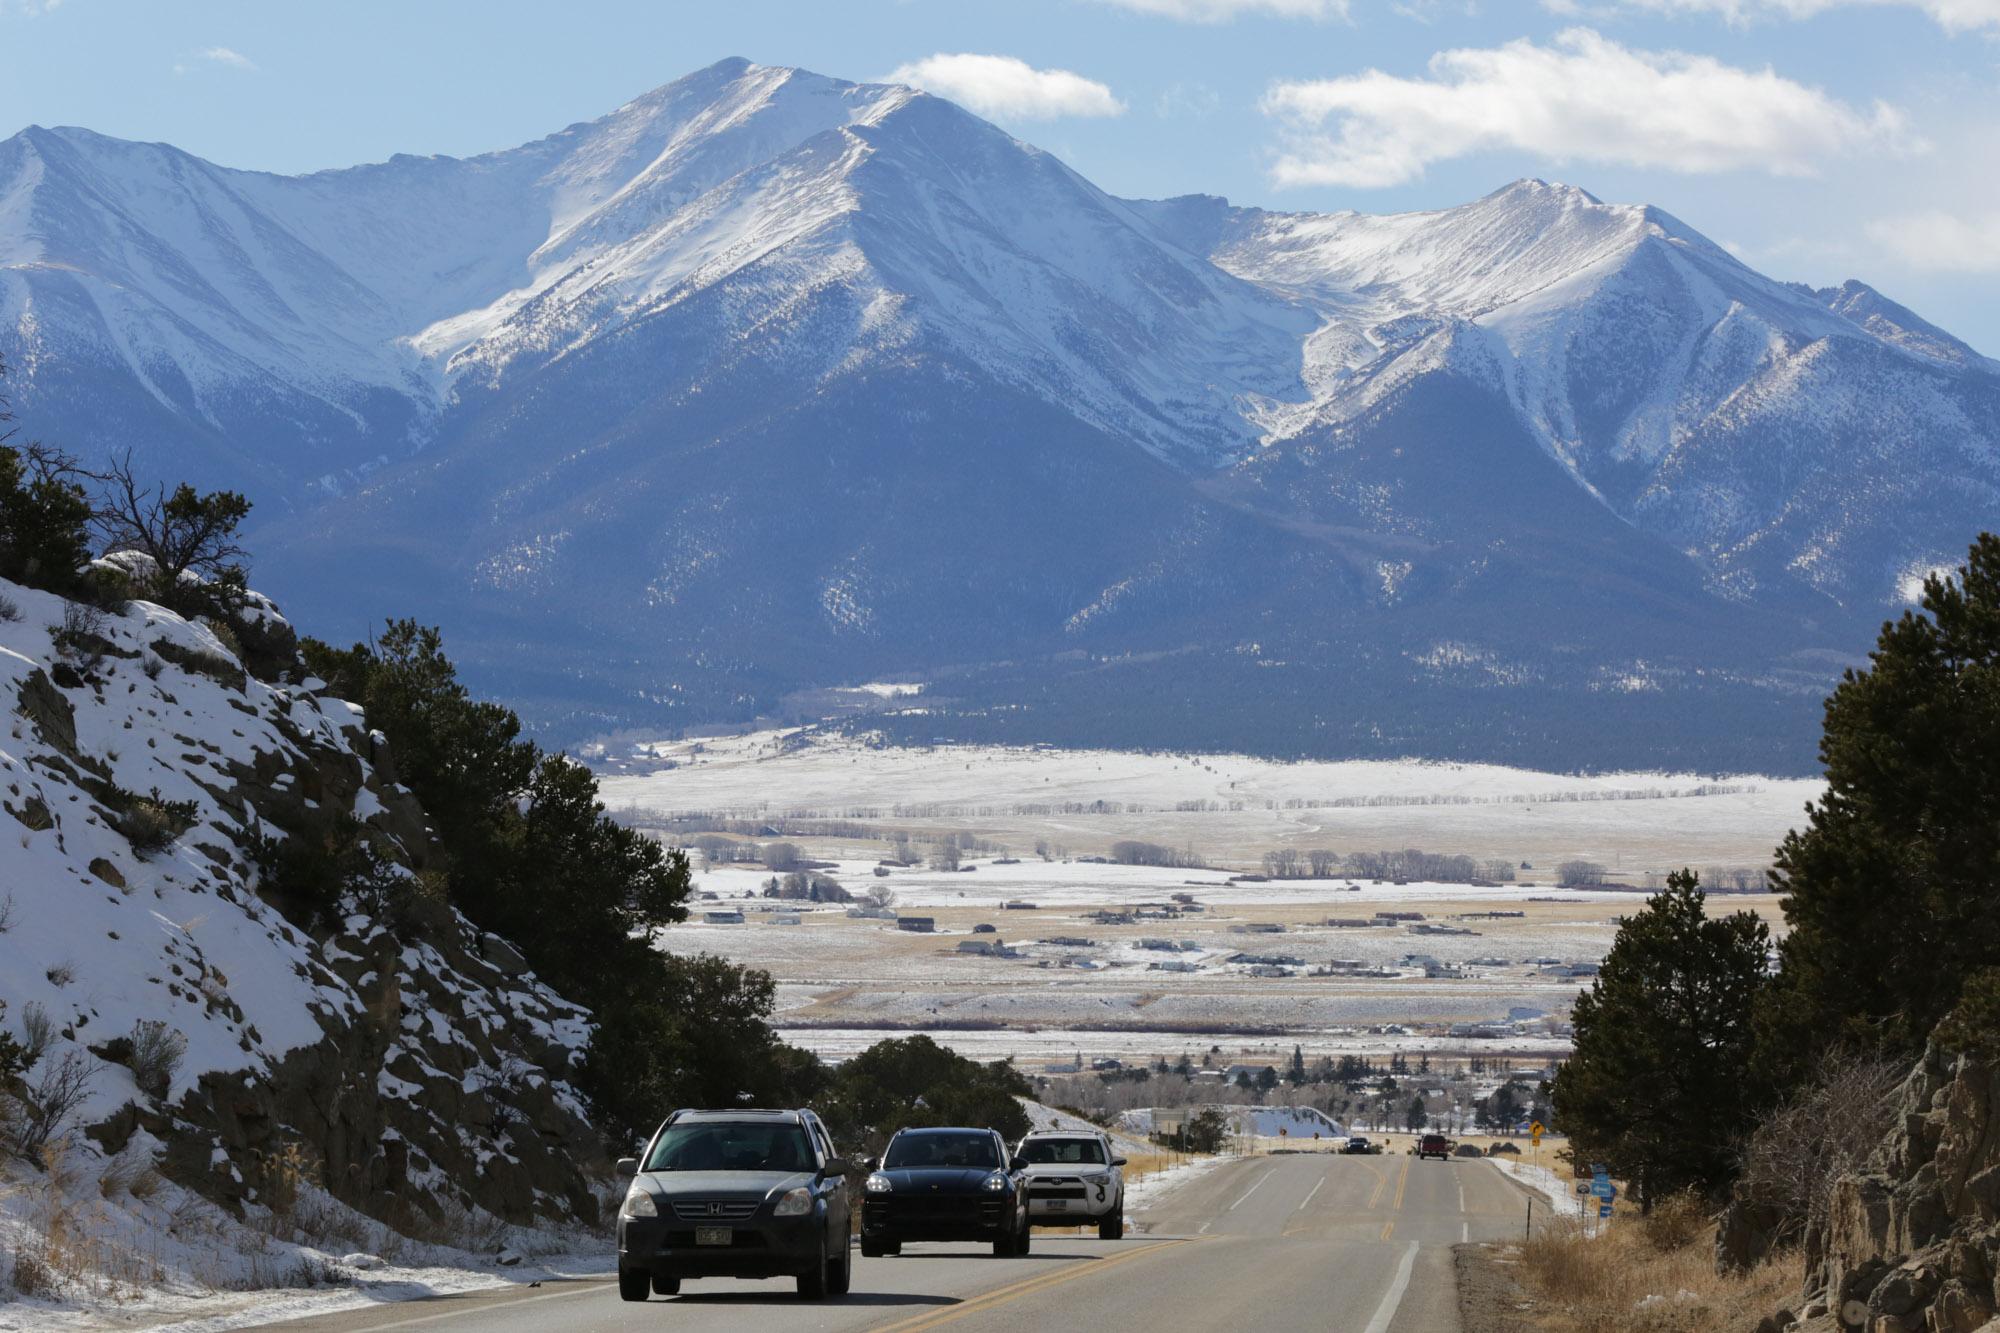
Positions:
{"x": 1309, "y": 1198}
{"x": 1461, "y": 1193}
{"x": 1464, "y": 1232}
{"x": 1385, "y": 1313}
{"x": 1253, "y": 1189}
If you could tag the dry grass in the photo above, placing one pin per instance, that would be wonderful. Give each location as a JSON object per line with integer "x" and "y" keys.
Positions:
{"x": 1655, "y": 1275}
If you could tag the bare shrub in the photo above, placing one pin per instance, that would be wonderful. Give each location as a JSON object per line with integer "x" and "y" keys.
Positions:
{"x": 1676, "y": 1221}
{"x": 38, "y": 1033}
{"x": 1827, "y": 1129}
{"x": 34, "y": 1277}
{"x": 43, "y": 1110}
{"x": 156, "y": 1056}
{"x": 10, "y": 611}
{"x": 61, "y": 974}
{"x": 285, "y": 1173}
{"x": 7, "y": 913}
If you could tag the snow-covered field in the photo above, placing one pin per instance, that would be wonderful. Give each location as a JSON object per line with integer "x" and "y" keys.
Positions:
{"x": 1230, "y": 809}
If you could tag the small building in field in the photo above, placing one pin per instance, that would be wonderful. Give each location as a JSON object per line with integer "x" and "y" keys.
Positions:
{"x": 920, "y": 925}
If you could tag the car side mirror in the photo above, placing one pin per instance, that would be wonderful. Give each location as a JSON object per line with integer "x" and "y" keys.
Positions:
{"x": 837, "y": 1166}
{"x": 628, "y": 1166}
{"x": 871, "y": 1164}
{"x": 1017, "y": 1164}
{"x": 1118, "y": 1161}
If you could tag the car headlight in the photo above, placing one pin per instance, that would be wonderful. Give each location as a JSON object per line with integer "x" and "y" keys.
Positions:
{"x": 996, "y": 1182}
{"x": 795, "y": 1203}
{"x": 877, "y": 1184}
{"x": 638, "y": 1203}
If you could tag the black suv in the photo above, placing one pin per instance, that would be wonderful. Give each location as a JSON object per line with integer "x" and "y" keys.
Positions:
{"x": 749, "y": 1194}
{"x": 945, "y": 1184}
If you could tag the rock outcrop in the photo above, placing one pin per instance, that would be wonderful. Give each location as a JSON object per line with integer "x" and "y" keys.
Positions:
{"x": 1913, "y": 1241}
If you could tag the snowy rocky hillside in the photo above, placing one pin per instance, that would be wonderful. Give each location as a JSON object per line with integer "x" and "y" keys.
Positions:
{"x": 245, "y": 1046}
{"x": 768, "y": 381}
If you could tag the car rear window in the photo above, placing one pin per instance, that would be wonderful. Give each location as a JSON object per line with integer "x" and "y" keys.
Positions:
{"x": 732, "y": 1146}
{"x": 963, "y": 1150}
{"x": 1067, "y": 1152}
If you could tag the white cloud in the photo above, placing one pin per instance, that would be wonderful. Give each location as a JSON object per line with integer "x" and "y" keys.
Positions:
{"x": 1940, "y": 241}
{"x": 1221, "y": 11}
{"x": 1197, "y": 101}
{"x": 1584, "y": 98}
{"x": 1953, "y": 15}
{"x": 217, "y": 55}
{"x": 1011, "y": 89}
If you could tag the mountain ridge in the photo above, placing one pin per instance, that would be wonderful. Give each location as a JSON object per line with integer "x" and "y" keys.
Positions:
{"x": 577, "y": 400}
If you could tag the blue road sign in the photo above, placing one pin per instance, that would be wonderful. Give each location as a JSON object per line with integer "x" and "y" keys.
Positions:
{"x": 1604, "y": 1210}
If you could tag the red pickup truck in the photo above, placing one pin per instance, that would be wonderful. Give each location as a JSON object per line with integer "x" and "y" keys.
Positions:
{"x": 1434, "y": 1145}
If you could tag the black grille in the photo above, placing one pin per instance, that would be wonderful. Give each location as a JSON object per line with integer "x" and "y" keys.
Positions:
{"x": 948, "y": 1209}
{"x": 715, "y": 1210}
{"x": 1056, "y": 1192}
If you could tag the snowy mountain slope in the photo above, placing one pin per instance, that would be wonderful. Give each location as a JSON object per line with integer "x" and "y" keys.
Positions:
{"x": 767, "y": 380}
{"x": 140, "y": 765}
{"x": 1775, "y": 433}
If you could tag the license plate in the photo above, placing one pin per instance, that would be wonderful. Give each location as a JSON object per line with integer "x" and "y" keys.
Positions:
{"x": 1056, "y": 1205}
{"x": 713, "y": 1235}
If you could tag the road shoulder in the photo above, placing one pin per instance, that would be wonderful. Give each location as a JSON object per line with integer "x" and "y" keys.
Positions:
{"x": 1490, "y": 1298}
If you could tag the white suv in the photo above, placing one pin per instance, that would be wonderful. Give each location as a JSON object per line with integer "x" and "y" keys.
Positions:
{"x": 1073, "y": 1180}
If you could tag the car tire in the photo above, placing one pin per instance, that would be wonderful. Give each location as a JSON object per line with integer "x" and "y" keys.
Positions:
{"x": 1003, "y": 1247}
{"x": 812, "y": 1282}
{"x": 1113, "y": 1226}
{"x": 893, "y": 1247}
{"x": 666, "y": 1286}
{"x": 840, "y": 1273}
{"x": 634, "y": 1284}
{"x": 1025, "y": 1239}
{"x": 872, "y": 1249}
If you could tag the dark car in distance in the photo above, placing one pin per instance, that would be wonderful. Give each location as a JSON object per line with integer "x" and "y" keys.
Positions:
{"x": 945, "y": 1184}
{"x": 741, "y": 1193}
{"x": 1358, "y": 1143}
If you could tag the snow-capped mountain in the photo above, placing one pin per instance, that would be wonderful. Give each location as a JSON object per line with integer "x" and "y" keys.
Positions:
{"x": 768, "y": 380}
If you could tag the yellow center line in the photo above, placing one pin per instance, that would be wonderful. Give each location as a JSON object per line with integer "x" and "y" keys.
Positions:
{"x": 1381, "y": 1183}
{"x": 1388, "y": 1227}
{"x": 1401, "y": 1181}
{"x": 980, "y": 1304}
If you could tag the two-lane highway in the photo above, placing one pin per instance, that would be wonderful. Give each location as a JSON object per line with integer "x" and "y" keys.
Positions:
{"x": 1360, "y": 1244}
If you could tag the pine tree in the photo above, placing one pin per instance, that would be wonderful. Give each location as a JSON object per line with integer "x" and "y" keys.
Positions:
{"x": 1889, "y": 886}
{"x": 1659, "y": 1083}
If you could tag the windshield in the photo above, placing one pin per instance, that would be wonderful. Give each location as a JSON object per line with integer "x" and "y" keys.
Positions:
{"x": 732, "y": 1146}
{"x": 964, "y": 1150}
{"x": 1068, "y": 1152}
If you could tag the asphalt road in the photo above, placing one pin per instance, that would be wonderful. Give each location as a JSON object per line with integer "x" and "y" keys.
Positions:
{"x": 1347, "y": 1244}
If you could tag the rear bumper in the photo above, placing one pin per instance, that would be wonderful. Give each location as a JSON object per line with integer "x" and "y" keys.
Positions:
{"x": 771, "y": 1247}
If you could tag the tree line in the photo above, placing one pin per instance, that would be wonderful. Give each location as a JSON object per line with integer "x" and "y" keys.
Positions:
{"x": 1699, "y": 1035}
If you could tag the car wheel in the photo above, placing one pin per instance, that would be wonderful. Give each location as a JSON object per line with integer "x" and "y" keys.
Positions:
{"x": 634, "y": 1284}
{"x": 893, "y": 1247}
{"x": 812, "y": 1282}
{"x": 1112, "y": 1227}
{"x": 871, "y": 1249}
{"x": 1026, "y": 1238}
{"x": 666, "y": 1286}
{"x": 1003, "y": 1247}
{"x": 840, "y": 1273}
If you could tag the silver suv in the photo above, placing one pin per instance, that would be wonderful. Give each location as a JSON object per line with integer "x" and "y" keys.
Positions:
{"x": 1074, "y": 1179}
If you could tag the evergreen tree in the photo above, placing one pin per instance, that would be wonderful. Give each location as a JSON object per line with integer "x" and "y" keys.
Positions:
{"x": 1417, "y": 1116}
{"x": 1296, "y": 1075}
{"x": 1659, "y": 1084}
{"x": 1888, "y": 888}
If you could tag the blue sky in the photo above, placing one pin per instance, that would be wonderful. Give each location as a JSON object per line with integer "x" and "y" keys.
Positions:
{"x": 1822, "y": 139}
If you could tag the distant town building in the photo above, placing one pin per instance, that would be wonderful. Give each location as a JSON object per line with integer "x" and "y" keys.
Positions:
{"x": 922, "y": 925}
